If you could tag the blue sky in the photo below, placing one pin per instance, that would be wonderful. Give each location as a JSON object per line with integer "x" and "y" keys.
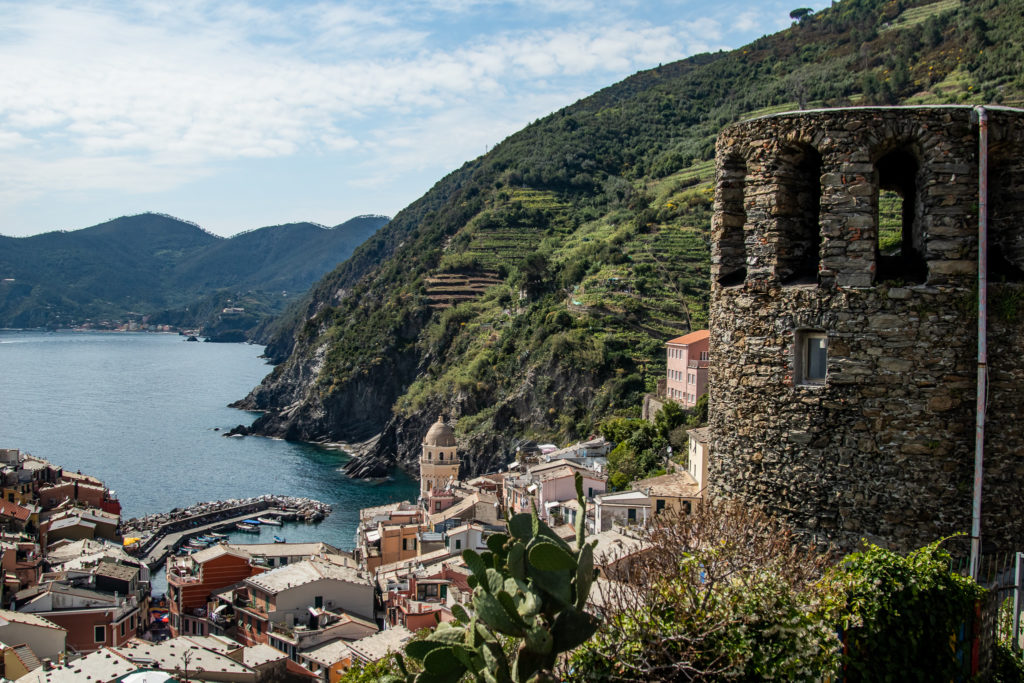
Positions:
{"x": 241, "y": 114}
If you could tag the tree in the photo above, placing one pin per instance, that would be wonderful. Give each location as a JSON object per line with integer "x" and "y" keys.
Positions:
{"x": 720, "y": 594}
{"x": 698, "y": 416}
{"x": 801, "y": 14}
{"x": 668, "y": 418}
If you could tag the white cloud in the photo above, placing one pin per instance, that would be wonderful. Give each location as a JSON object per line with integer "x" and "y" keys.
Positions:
{"x": 151, "y": 94}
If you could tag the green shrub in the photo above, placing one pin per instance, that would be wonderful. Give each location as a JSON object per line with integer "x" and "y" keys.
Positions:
{"x": 900, "y": 613}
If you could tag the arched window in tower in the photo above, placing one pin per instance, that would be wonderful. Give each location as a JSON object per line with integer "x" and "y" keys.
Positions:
{"x": 1006, "y": 215}
{"x": 440, "y": 456}
{"x": 798, "y": 206}
{"x": 731, "y": 249}
{"x": 898, "y": 245}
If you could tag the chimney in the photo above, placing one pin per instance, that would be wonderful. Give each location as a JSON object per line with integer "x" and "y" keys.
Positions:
{"x": 47, "y": 664}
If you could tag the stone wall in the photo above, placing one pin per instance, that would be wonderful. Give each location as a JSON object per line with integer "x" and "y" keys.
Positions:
{"x": 883, "y": 446}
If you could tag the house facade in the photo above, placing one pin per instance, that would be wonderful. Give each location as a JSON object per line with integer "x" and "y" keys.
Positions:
{"x": 687, "y": 362}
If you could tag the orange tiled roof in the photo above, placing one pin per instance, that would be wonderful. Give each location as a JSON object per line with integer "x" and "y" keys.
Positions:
{"x": 691, "y": 338}
{"x": 8, "y": 509}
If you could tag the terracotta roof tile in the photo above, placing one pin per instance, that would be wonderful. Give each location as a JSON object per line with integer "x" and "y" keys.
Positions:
{"x": 691, "y": 338}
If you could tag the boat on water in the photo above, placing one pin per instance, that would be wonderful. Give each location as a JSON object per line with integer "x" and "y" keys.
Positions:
{"x": 271, "y": 521}
{"x": 278, "y": 539}
{"x": 247, "y": 528}
{"x": 217, "y": 537}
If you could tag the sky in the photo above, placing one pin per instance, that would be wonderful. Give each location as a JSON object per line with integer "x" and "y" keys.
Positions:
{"x": 236, "y": 114}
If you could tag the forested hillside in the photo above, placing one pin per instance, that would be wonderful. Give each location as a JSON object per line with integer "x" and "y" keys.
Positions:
{"x": 169, "y": 270}
{"x": 529, "y": 293}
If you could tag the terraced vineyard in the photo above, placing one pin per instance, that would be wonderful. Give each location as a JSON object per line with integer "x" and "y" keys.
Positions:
{"x": 448, "y": 289}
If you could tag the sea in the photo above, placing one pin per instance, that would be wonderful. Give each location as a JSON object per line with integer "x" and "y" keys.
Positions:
{"x": 147, "y": 414}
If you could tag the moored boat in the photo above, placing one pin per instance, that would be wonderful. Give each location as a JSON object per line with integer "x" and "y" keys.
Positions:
{"x": 278, "y": 539}
{"x": 271, "y": 521}
{"x": 247, "y": 528}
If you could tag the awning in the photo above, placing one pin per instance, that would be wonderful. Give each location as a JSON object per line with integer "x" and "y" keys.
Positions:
{"x": 372, "y": 536}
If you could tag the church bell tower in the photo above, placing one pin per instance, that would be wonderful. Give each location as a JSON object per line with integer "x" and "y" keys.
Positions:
{"x": 439, "y": 462}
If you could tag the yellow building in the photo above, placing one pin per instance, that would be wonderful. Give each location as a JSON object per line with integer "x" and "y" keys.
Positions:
{"x": 439, "y": 462}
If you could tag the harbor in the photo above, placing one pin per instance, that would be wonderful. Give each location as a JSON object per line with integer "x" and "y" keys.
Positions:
{"x": 160, "y": 535}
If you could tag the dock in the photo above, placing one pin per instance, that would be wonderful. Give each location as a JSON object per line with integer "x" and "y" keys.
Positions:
{"x": 169, "y": 531}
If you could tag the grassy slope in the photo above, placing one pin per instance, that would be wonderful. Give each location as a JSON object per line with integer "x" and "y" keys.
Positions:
{"x": 597, "y": 220}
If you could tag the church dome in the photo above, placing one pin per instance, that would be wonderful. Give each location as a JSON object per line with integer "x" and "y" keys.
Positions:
{"x": 439, "y": 434}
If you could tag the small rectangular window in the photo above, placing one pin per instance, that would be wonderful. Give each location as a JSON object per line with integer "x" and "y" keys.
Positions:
{"x": 99, "y": 634}
{"x": 659, "y": 505}
{"x": 810, "y": 357}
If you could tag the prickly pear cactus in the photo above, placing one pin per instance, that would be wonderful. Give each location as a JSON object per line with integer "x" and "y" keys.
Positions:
{"x": 529, "y": 591}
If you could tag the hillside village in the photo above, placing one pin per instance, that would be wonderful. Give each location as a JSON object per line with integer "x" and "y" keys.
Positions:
{"x": 857, "y": 357}
{"x": 80, "y": 601}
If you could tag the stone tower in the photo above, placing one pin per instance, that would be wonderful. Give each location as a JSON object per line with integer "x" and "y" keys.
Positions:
{"x": 439, "y": 462}
{"x": 844, "y": 322}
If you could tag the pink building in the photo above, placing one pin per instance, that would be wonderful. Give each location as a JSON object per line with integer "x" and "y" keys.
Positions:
{"x": 687, "y": 376}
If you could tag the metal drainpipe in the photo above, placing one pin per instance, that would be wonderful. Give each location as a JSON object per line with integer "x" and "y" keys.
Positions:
{"x": 979, "y": 429}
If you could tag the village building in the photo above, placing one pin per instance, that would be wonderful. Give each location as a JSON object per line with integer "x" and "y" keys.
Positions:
{"x": 677, "y": 493}
{"x": 298, "y": 596}
{"x": 193, "y": 578}
{"x": 471, "y": 506}
{"x": 698, "y": 455}
{"x": 548, "y": 486}
{"x": 330, "y": 627}
{"x": 92, "y": 619}
{"x": 389, "y": 533}
{"x": 273, "y": 555}
{"x": 99, "y": 667}
{"x": 687, "y": 363}
{"x": 21, "y": 560}
{"x": 28, "y": 641}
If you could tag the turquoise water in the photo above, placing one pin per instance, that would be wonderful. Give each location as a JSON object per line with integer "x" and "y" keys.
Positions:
{"x": 140, "y": 411}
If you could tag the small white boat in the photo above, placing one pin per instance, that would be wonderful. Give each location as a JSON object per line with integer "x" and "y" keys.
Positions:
{"x": 270, "y": 521}
{"x": 247, "y": 528}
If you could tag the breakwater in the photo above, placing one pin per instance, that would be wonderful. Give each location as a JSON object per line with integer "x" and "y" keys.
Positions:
{"x": 162, "y": 533}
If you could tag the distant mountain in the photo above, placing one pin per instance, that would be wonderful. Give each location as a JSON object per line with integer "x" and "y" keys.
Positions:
{"x": 170, "y": 270}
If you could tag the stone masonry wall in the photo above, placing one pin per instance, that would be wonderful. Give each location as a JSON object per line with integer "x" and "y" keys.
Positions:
{"x": 883, "y": 447}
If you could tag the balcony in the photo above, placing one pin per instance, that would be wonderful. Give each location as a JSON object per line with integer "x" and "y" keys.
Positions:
{"x": 698, "y": 364}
